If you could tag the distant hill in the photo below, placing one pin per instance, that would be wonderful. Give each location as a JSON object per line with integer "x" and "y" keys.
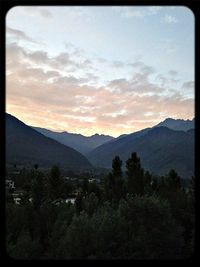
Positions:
{"x": 178, "y": 125}
{"x": 26, "y": 146}
{"x": 159, "y": 148}
{"x": 81, "y": 143}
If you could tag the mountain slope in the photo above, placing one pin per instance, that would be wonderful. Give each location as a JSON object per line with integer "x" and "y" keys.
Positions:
{"x": 26, "y": 146}
{"x": 159, "y": 148}
{"x": 83, "y": 144}
{"x": 178, "y": 125}
{"x": 108, "y": 150}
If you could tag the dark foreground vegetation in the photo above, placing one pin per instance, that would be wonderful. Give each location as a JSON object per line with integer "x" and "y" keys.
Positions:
{"x": 131, "y": 215}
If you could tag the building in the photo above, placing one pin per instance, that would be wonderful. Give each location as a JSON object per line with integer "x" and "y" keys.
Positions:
{"x": 10, "y": 184}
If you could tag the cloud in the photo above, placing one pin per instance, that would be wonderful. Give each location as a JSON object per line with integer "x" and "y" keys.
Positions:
{"x": 136, "y": 12}
{"x": 166, "y": 81}
{"x": 35, "y": 11}
{"x": 28, "y": 74}
{"x": 75, "y": 51}
{"x": 169, "y": 19}
{"x": 173, "y": 73}
{"x": 118, "y": 82}
{"x": 117, "y": 64}
{"x": 45, "y": 13}
{"x": 188, "y": 85}
{"x": 69, "y": 80}
{"x": 142, "y": 67}
{"x": 133, "y": 13}
{"x": 40, "y": 58}
{"x": 139, "y": 83}
{"x": 81, "y": 11}
{"x": 65, "y": 60}
{"x": 41, "y": 92}
{"x": 167, "y": 46}
{"x": 172, "y": 80}
{"x": 91, "y": 77}
{"x": 136, "y": 64}
{"x": 129, "y": 12}
{"x": 83, "y": 108}
{"x": 62, "y": 60}
{"x": 19, "y": 35}
{"x": 101, "y": 60}
{"x": 154, "y": 9}
{"x": 147, "y": 70}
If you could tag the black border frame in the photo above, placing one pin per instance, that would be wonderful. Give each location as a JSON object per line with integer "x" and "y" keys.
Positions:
{"x": 5, "y": 5}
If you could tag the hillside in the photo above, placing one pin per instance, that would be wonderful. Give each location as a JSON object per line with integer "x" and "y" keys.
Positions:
{"x": 26, "y": 146}
{"x": 178, "y": 125}
{"x": 159, "y": 148}
{"x": 83, "y": 144}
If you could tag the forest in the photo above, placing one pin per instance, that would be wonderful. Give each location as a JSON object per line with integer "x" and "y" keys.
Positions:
{"x": 129, "y": 214}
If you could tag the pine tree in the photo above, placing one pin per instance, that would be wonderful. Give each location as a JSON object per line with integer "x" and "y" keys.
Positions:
{"x": 135, "y": 175}
{"x": 173, "y": 181}
{"x": 116, "y": 167}
{"x": 38, "y": 192}
{"x": 114, "y": 183}
{"x": 55, "y": 183}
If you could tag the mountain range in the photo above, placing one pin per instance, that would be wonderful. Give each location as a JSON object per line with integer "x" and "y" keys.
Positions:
{"x": 169, "y": 144}
{"x": 178, "y": 125}
{"x": 26, "y": 146}
{"x": 159, "y": 148}
{"x": 83, "y": 144}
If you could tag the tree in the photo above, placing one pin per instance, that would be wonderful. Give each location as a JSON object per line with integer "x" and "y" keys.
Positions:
{"x": 107, "y": 187}
{"x": 117, "y": 167}
{"x": 135, "y": 175}
{"x": 38, "y": 190}
{"x": 148, "y": 180}
{"x": 79, "y": 202}
{"x": 173, "y": 181}
{"x": 36, "y": 166}
{"x": 94, "y": 187}
{"x": 55, "y": 183}
{"x": 191, "y": 189}
{"x": 77, "y": 240}
{"x": 68, "y": 188}
{"x": 114, "y": 183}
{"x": 90, "y": 203}
{"x": 85, "y": 185}
{"x": 152, "y": 232}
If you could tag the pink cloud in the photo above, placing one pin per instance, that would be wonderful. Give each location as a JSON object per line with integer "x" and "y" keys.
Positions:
{"x": 51, "y": 99}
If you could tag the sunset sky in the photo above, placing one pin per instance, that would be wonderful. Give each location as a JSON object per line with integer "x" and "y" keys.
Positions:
{"x": 107, "y": 70}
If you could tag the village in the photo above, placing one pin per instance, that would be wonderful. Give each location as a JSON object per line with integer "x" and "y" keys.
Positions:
{"x": 16, "y": 193}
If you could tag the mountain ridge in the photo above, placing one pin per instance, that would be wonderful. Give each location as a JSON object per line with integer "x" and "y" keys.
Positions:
{"x": 177, "y": 124}
{"x": 81, "y": 143}
{"x": 24, "y": 145}
{"x": 160, "y": 149}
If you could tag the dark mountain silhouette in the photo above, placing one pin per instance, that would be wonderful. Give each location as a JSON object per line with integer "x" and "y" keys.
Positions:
{"x": 159, "y": 148}
{"x": 81, "y": 143}
{"x": 26, "y": 146}
{"x": 178, "y": 125}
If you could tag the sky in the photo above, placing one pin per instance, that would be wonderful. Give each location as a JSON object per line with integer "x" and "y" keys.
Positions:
{"x": 99, "y": 69}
